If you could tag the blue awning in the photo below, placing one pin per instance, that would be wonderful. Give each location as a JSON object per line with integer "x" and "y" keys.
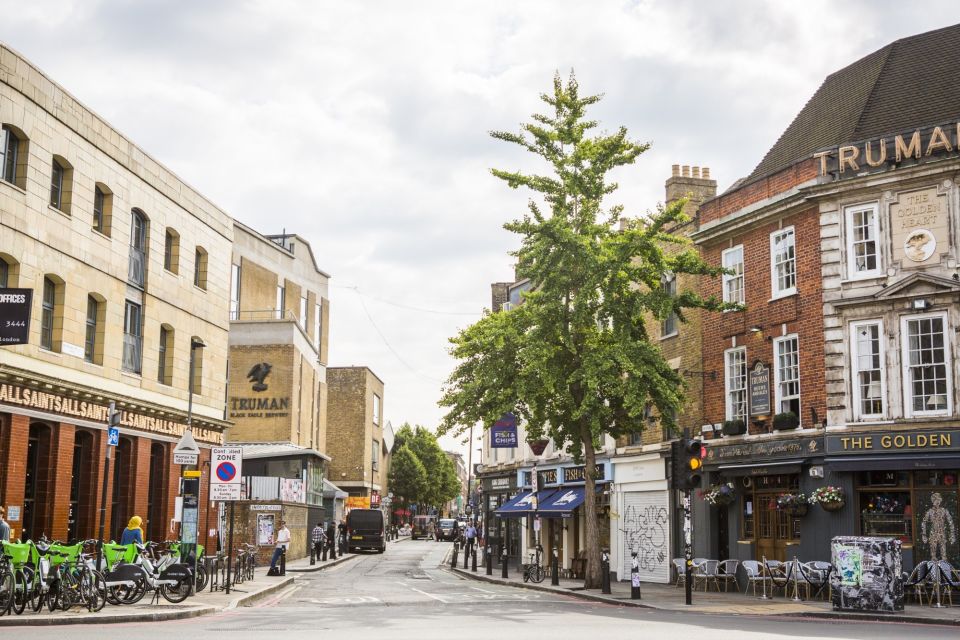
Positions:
{"x": 522, "y": 505}
{"x": 562, "y": 503}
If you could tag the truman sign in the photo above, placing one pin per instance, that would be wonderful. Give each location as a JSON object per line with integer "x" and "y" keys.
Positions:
{"x": 871, "y": 156}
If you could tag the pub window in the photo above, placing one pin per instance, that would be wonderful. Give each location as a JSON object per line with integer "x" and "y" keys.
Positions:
{"x": 102, "y": 209}
{"x": 863, "y": 241}
{"x": 669, "y": 325}
{"x": 733, "y": 282}
{"x": 735, "y": 382}
{"x": 869, "y": 376}
{"x": 927, "y": 387}
{"x": 787, "y": 374}
{"x": 783, "y": 262}
{"x": 886, "y": 513}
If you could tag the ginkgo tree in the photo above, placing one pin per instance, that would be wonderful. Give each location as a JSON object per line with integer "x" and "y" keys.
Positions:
{"x": 575, "y": 361}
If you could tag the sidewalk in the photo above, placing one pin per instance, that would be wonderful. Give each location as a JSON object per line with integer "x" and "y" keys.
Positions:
{"x": 205, "y": 602}
{"x": 671, "y": 598}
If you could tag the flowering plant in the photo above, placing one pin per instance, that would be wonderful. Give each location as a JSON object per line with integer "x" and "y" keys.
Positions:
{"x": 822, "y": 495}
{"x": 719, "y": 494}
{"x": 788, "y": 500}
{"x": 885, "y": 504}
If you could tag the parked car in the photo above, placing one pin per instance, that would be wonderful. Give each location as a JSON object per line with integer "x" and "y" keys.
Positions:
{"x": 366, "y": 529}
{"x": 447, "y": 529}
{"x": 423, "y": 526}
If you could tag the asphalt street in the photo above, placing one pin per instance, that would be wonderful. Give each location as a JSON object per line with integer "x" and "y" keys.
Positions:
{"x": 406, "y": 594}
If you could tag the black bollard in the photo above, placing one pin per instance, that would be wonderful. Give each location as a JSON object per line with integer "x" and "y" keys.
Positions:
{"x": 634, "y": 577}
{"x": 283, "y": 562}
{"x": 605, "y": 572}
{"x": 453, "y": 558}
{"x": 473, "y": 562}
{"x": 465, "y": 554}
{"x": 555, "y": 570}
{"x": 488, "y": 559}
{"x": 333, "y": 550}
{"x": 503, "y": 562}
{"x": 313, "y": 554}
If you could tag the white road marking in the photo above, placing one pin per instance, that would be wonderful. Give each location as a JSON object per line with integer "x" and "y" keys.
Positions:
{"x": 346, "y": 600}
{"x": 483, "y": 590}
{"x": 429, "y": 595}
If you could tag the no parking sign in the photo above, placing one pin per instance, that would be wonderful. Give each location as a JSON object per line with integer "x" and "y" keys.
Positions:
{"x": 226, "y": 479}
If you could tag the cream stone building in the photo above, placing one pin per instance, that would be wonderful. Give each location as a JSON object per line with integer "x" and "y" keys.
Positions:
{"x": 128, "y": 267}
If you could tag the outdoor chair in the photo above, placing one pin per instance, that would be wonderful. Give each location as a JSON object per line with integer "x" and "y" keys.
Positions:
{"x": 755, "y": 574}
{"x": 917, "y": 579}
{"x": 948, "y": 581}
{"x": 776, "y": 571}
{"x": 796, "y": 579}
{"x": 678, "y": 566}
{"x": 706, "y": 572}
{"x": 818, "y": 576}
{"x": 727, "y": 572}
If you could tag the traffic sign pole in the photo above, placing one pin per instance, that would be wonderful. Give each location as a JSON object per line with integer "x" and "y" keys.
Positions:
{"x": 113, "y": 439}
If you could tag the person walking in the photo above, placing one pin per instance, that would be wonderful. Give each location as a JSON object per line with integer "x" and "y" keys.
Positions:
{"x": 332, "y": 539}
{"x": 471, "y": 536}
{"x": 319, "y": 540}
{"x": 133, "y": 532}
{"x": 342, "y": 531}
{"x": 4, "y": 526}
{"x": 283, "y": 540}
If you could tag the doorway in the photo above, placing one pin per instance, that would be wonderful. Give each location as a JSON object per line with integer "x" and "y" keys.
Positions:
{"x": 771, "y": 528}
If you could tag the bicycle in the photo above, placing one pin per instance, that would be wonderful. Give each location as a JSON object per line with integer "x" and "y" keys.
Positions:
{"x": 7, "y": 585}
{"x": 533, "y": 571}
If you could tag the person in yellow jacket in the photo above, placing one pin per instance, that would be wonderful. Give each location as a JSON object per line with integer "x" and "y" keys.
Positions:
{"x": 133, "y": 532}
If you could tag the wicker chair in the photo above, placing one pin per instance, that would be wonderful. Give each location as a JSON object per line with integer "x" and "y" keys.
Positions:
{"x": 727, "y": 573}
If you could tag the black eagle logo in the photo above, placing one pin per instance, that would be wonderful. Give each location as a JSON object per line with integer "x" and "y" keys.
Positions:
{"x": 258, "y": 374}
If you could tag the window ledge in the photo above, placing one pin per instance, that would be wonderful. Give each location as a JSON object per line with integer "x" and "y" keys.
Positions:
{"x": 786, "y": 294}
{"x": 13, "y": 186}
{"x": 60, "y": 211}
{"x": 202, "y": 289}
{"x": 50, "y": 351}
{"x": 876, "y": 275}
{"x": 100, "y": 233}
{"x": 670, "y": 335}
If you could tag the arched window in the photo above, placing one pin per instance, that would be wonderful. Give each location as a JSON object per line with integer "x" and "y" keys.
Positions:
{"x": 200, "y": 268}
{"x": 139, "y": 229}
{"x": 37, "y": 494}
{"x": 83, "y": 485}
{"x": 102, "y": 209}
{"x": 9, "y": 270}
{"x": 157, "y": 493}
{"x": 165, "y": 355}
{"x": 51, "y": 313}
{"x": 13, "y": 156}
{"x": 171, "y": 250}
{"x": 61, "y": 184}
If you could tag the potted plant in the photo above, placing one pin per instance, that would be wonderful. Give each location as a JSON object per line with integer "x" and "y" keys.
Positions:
{"x": 795, "y": 503}
{"x": 786, "y": 420}
{"x": 734, "y": 427}
{"x": 829, "y": 498}
{"x": 719, "y": 495}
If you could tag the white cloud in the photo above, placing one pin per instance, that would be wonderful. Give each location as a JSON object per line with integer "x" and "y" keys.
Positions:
{"x": 363, "y": 125}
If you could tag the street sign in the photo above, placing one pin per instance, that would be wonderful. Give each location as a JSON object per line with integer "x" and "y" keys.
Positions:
{"x": 227, "y": 473}
{"x": 185, "y": 458}
{"x": 195, "y": 473}
{"x": 113, "y": 436}
{"x": 187, "y": 444}
{"x": 15, "y": 305}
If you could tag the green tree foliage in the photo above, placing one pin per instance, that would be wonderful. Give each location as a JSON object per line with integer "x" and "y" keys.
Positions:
{"x": 440, "y": 483}
{"x": 408, "y": 476}
{"x": 575, "y": 361}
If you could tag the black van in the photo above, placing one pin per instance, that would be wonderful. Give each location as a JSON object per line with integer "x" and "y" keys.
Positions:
{"x": 366, "y": 530}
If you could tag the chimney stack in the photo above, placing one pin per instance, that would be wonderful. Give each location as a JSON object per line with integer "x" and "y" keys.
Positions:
{"x": 693, "y": 183}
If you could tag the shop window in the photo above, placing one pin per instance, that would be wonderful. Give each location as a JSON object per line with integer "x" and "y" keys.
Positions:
{"x": 783, "y": 262}
{"x": 735, "y": 382}
{"x": 82, "y": 488}
{"x": 788, "y": 374}
{"x": 122, "y": 487}
{"x": 37, "y": 494}
{"x": 927, "y": 387}
{"x": 886, "y": 513}
{"x": 102, "y": 209}
{"x": 733, "y": 282}
{"x": 869, "y": 375}
{"x": 863, "y": 241}
{"x": 156, "y": 493}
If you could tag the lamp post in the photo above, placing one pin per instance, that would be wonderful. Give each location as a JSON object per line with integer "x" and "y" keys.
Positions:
{"x": 188, "y": 547}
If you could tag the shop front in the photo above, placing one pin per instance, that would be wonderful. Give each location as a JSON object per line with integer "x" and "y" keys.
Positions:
{"x": 642, "y": 517}
{"x": 497, "y": 491}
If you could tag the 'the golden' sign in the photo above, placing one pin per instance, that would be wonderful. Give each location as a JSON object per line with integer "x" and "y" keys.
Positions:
{"x": 921, "y": 441}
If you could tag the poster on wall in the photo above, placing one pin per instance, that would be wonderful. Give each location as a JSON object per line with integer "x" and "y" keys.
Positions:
{"x": 849, "y": 565}
{"x": 265, "y": 528}
{"x": 292, "y": 490}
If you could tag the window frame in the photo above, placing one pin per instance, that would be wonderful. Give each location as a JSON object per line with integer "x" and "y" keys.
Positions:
{"x": 727, "y": 387}
{"x": 906, "y": 382}
{"x": 234, "y": 291}
{"x": 848, "y": 214}
{"x": 9, "y": 155}
{"x": 200, "y": 268}
{"x": 138, "y": 336}
{"x": 855, "y": 370}
{"x": 48, "y": 314}
{"x": 728, "y": 278}
{"x": 281, "y": 301}
{"x": 670, "y": 325}
{"x": 91, "y": 327}
{"x": 775, "y": 290}
{"x": 377, "y": 408}
{"x": 779, "y": 397}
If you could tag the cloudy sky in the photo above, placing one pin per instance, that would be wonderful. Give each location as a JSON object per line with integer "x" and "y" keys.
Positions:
{"x": 362, "y": 125}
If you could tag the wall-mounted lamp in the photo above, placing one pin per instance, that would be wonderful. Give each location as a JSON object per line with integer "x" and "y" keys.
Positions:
{"x": 920, "y": 304}
{"x": 756, "y": 329}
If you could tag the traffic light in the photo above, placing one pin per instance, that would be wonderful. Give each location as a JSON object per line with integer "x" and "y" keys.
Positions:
{"x": 686, "y": 464}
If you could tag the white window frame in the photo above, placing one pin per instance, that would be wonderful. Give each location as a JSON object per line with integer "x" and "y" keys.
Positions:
{"x": 855, "y": 370}
{"x": 905, "y": 365}
{"x": 777, "y": 379}
{"x": 728, "y": 278}
{"x": 234, "y": 291}
{"x": 852, "y": 272}
{"x": 670, "y": 288}
{"x": 727, "y": 389}
{"x": 774, "y": 280}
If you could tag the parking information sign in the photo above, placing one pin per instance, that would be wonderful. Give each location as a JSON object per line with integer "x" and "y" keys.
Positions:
{"x": 226, "y": 478}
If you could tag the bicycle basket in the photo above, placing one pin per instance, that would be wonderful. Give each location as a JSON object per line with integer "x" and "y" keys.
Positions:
{"x": 70, "y": 553}
{"x": 19, "y": 553}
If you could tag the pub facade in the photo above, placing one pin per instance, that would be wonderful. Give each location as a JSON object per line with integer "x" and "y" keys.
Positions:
{"x": 851, "y": 221}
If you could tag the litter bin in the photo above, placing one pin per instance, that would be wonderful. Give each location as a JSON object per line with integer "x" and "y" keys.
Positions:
{"x": 866, "y": 575}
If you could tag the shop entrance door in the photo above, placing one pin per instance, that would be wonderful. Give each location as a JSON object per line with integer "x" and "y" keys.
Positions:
{"x": 773, "y": 527}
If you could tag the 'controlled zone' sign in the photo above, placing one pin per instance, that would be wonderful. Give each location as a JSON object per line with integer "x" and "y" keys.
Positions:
{"x": 227, "y": 473}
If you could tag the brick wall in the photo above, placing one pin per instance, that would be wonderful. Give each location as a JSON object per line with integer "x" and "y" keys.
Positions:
{"x": 741, "y": 197}
{"x": 350, "y": 426}
{"x": 800, "y": 314}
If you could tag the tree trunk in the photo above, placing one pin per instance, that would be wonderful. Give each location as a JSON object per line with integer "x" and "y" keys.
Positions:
{"x": 592, "y": 540}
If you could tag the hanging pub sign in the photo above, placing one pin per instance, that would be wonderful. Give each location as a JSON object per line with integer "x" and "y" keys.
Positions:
{"x": 15, "y": 307}
{"x": 759, "y": 389}
{"x": 503, "y": 433}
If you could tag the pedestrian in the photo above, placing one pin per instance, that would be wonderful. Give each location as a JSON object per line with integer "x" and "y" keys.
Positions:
{"x": 4, "y": 526}
{"x": 133, "y": 532}
{"x": 342, "y": 531}
{"x": 471, "y": 536}
{"x": 332, "y": 539}
{"x": 319, "y": 539}
{"x": 283, "y": 539}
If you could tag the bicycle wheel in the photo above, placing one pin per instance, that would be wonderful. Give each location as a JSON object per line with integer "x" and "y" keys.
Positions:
{"x": 7, "y": 589}
{"x": 203, "y": 576}
{"x": 20, "y": 582}
{"x": 37, "y": 594}
{"x": 53, "y": 596}
{"x": 526, "y": 575}
{"x": 537, "y": 573}
{"x": 94, "y": 590}
{"x": 176, "y": 593}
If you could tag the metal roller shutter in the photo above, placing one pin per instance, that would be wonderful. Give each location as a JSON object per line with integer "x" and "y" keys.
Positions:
{"x": 646, "y": 530}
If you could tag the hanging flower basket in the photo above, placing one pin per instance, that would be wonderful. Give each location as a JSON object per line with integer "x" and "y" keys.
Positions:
{"x": 829, "y": 498}
{"x": 719, "y": 495}
{"x": 734, "y": 427}
{"x": 796, "y": 504}
{"x": 785, "y": 421}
